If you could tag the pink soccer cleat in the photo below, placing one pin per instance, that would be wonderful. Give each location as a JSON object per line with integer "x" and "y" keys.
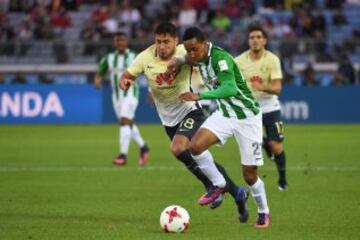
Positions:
{"x": 212, "y": 194}
{"x": 216, "y": 203}
{"x": 120, "y": 160}
{"x": 144, "y": 155}
{"x": 263, "y": 220}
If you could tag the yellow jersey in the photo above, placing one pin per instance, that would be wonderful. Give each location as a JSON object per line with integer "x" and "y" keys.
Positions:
{"x": 165, "y": 91}
{"x": 268, "y": 69}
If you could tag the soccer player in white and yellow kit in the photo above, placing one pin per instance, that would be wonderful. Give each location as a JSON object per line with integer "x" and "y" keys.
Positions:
{"x": 262, "y": 70}
{"x": 124, "y": 102}
{"x": 180, "y": 119}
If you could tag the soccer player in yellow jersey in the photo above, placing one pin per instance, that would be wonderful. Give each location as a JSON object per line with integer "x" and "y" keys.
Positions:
{"x": 180, "y": 119}
{"x": 262, "y": 70}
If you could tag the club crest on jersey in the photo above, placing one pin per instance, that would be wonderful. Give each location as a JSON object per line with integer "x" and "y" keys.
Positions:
{"x": 264, "y": 69}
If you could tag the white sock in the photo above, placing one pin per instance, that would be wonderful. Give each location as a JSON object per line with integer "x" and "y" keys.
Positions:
{"x": 259, "y": 194}
{"x": 206, "y": 164}
{"x": 125, "y": 137}
{"x": 135, "y": 134}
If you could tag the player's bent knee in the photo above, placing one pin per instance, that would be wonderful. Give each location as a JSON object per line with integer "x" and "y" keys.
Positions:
{"x": 250, "y": 179}
{"x": 276, "y": 147}
{"x": 177, "y": 149}
{"x": 126, "y": 121}
{"x": 250, "y": 174}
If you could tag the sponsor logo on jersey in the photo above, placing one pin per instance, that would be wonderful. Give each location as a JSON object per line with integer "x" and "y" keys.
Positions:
{"x": 223, "y": 65}
{"x": 163, "y": 78}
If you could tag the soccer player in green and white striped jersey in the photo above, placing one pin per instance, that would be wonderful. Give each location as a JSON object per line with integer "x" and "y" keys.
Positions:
{"x": 238, "y": 115}
{"x": 124, "y": 102}
{"x": 180, "y": 119}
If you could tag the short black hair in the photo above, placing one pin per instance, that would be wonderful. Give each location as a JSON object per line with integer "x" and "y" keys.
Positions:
{"x": 166, "y": 28}
{"x": 257, "y": 27}
{"x": 194, "y": 32}
{"x": 119, "y": 34}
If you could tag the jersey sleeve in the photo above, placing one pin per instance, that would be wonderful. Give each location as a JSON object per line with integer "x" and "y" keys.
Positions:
{"x": 103, "y": 65}
{"x": 237, "y": 61}
{"x": 224, "y": 70}
{"x": 180, "y": 50}
{"x": 276, "y": 72}
{"x": 137, "y": 66}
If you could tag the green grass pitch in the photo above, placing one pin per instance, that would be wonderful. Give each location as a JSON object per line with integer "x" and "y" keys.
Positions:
{"x": 57, "y": 182}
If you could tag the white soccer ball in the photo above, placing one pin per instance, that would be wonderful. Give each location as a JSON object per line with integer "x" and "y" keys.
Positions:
{"x": 174, "y": 218}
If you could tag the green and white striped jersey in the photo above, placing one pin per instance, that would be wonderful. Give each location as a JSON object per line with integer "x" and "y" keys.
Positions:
{"x": 115, "y": 64}
{"x": 227, "y": 85}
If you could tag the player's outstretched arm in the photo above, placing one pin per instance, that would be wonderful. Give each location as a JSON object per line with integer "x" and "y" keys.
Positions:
{"x": 274, "y": 87}
{"x": 126, "y": 80}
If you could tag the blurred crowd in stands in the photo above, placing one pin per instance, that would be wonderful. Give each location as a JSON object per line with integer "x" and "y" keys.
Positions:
{"x": 80, "y": 31}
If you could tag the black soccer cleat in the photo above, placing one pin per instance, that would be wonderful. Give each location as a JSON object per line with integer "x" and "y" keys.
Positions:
{"x": 263, "y": 220}
{"x": 241, "y": 198}
{"x": 282, "y": 185}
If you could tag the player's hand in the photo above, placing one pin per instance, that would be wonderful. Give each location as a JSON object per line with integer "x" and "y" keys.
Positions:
{"x": 173, "y": 67}
{"x": 189, "y": 96}
{"x": 125, "y": 83}
{"x": 97, "y": 83}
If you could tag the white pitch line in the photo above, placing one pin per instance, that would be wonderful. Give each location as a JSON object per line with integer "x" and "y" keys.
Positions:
{"x": 160, "y": 168}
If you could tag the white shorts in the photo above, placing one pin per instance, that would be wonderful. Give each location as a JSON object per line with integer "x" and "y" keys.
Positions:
{"x": 247, "y": 132}
{"x": 125, "y": 106}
